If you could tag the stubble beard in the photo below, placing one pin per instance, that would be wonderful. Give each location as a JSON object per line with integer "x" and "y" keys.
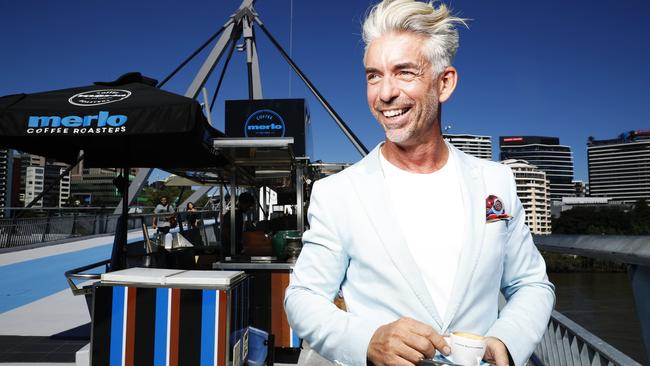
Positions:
{"x": 426, "y": 113}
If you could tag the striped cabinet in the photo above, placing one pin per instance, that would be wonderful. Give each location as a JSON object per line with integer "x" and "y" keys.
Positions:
{"x": 134, "y": 325}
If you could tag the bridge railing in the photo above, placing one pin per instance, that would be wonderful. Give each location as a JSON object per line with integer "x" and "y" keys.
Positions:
{"x": 567, "y": 343}
{"x": 20, "y": 232}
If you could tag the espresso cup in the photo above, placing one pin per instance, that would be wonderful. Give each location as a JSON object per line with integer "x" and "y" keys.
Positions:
{"x": 467, "y": 349}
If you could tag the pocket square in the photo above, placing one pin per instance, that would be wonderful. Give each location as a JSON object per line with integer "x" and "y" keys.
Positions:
{"x": 495, "y": 210}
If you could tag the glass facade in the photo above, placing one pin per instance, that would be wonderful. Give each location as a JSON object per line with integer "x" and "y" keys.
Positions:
{"x": 620, "y": 168}
{"x": 475, "y": 145}
{"x": 547, "y": 155}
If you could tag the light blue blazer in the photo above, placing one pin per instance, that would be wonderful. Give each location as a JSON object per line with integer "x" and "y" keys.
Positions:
{"x": 354, "y": 243}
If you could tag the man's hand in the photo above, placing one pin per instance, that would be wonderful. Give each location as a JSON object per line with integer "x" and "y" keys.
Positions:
{"x": 496, "y": 352}
{"x": 405, "y": 342}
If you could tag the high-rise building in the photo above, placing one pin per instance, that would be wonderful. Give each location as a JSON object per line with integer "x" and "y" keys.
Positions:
{"x": 94, "y": 186}
{"x": 475, "y": 145}
{"x": 581, "y": 188}
{"x": 547, "y": 155}
{"x": 6, "y": 165}
{"x": 620, "y": 168}
{"x": 533, "y": 191}
{"x": 37, "y": 178}
{"x": 24, "y": 161}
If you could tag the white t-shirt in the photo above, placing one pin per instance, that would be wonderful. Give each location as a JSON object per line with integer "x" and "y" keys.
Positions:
{"x": 429, "y": 212}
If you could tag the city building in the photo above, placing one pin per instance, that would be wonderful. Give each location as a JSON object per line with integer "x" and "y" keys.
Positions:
{"x": 581, "y": 189}
{"x": 475, "y": 145}
{"x": 37, "y": 178}
{"x": 619, "y": 168}
{"x": 24, "y": 161}
{"x": 16, "y": 186}
{"x": 94, "y": 186}
{"x": 533, "y": 191}
{"x": 6, "y": 165}
{"x": 569, "y": 203}
{"x": 547, "y": 155}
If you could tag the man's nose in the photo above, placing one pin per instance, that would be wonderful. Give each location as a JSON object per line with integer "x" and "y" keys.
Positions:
{"x": 389, "y": 90}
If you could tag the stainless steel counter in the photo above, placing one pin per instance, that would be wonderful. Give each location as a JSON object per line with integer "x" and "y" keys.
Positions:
{"x": 254, "y": 266}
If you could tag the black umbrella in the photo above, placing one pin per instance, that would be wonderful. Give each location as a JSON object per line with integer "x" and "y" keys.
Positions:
{"x": 125, "y": 123}
{"x": 128, "y": 122}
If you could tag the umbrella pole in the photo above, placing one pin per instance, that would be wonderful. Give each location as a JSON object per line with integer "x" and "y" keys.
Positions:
{"x": 118, "y": 254}
{"x": 125, "y": 214}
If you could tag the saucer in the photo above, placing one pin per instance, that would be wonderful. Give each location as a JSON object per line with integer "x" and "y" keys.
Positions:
{"x": 450, "y": 360}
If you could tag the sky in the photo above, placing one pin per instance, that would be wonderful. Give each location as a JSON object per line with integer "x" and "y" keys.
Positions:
{"x": 569, "y": 69}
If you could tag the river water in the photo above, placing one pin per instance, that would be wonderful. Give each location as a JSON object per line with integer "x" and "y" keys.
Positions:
{"x": 602, "y": 303}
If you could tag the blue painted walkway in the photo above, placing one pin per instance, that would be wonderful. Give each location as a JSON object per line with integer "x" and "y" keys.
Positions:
{"x": 28, "y": 281}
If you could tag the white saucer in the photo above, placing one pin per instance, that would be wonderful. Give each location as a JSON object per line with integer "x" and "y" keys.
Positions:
{"x": 450, "y": 359}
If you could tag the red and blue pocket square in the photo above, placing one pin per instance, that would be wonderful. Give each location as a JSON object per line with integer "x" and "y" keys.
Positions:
{"x": 495, "y": 210}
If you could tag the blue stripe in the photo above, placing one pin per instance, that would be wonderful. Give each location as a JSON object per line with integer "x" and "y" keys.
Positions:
{"x": 160, "y": 334}
{"x": 208, "y": 318}
{"x": 295, "y": 341}
{"x": 117, "y": 326}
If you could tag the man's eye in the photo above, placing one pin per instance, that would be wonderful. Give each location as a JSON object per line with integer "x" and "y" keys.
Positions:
{"x": 372, "y": 78}
{"x": 406, "y": 74}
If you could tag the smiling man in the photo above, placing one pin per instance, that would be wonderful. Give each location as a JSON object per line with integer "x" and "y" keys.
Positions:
{"x": 408, "y": 233}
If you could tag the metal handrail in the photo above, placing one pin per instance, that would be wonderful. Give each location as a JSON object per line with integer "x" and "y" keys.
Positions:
{"x": 629, "y": 249}
{"x": 567, "y": 343}
{"x": 20, "y": 232}
{"x": 75, "y": 274}
{"x": 565, "y": 340}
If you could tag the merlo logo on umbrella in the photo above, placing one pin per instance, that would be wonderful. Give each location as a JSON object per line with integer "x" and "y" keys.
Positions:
{"x": 99, "y": 97}
{"x": 101, "y": 122}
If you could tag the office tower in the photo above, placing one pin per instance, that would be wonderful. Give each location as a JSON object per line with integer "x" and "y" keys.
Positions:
{"x": 475, "y": 145}
{"x": 94, "y": 186}
{"x": 533, "y": 191}
{"x": 5, "y": 180}
{"x": 38, "y": 178}
{"x": 24, "y": 161}
{"x": 619, "y": 168}
{"x": 547, "y": 155}
{"x": 581, "y": 188}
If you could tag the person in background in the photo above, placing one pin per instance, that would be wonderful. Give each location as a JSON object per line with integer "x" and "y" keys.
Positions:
{"x": 163, "y": 211}
{"x": 192, "y": 216}
{"x": 245, "y": 203}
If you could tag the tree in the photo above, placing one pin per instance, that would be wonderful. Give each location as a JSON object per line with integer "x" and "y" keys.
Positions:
{"x": 595, "y": 221}
{"x": 641, "y": 218}
{"x": 152, "y": 195}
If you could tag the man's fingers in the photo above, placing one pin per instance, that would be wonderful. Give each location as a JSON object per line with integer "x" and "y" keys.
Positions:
{"x": 440, "y": 344}
{"x": 427, "y": 331}
{"x": 408, "y": 354}
{"x": 496, "y": 352}
{"x": 420, "y": 344}
{"x": 500, "y": 359}
{"x": 418, "y": 327}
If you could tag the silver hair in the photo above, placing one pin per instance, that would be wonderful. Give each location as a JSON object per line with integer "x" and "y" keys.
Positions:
{"x": 438, "y": 25}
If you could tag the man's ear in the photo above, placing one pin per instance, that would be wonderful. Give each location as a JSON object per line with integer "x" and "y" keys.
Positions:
{"x": 447, "y": 83}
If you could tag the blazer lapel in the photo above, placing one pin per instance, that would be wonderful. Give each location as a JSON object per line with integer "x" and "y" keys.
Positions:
{"x": 372, "y": 191}
{"x": 471, "y": 183}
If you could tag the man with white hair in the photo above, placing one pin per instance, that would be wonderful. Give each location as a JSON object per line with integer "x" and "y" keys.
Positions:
{"x": 420, "y": 237}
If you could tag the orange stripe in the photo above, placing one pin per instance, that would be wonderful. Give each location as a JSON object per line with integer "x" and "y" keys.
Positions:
{"x": 174, "y": 327}
{"x": 130, "y": 327}
{"x": 223, "y": 321}
{"x": 279, "y": 321}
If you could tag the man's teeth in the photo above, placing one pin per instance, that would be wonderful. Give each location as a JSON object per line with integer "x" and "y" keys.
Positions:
{"x": 394, "y": 112}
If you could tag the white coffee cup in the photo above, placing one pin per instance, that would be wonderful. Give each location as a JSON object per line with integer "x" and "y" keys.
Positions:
{"x": 467, "y": 349}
